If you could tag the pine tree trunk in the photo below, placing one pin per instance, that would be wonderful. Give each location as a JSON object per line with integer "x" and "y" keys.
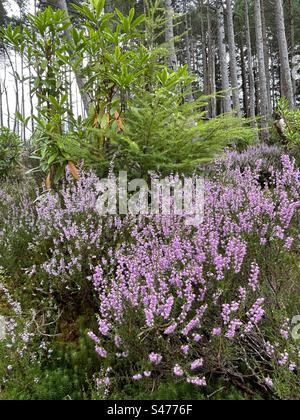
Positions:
{"x": 266, "y": 55}
{"x": 250, "y": 61}
{"x": 223, "y": 60}
{"x": 211, "y": 64}
{"x": 244, "y": 81}
{"x": 169, "y": 35}
{"x": 233, "y": 61}
{"x": 190, "y": 97}
{"x": 292, "y": 40}
{"x": 263, "y": 94}
{"x": 287, "y": 86}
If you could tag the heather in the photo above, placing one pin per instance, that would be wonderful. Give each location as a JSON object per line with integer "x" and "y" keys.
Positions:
{"x": 127, "y": 306}
{"x": 149, "y": 228}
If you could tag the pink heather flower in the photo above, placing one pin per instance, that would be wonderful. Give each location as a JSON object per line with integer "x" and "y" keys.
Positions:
{"x": 155, "y": 358}
{"x": 118, "y": 341}
{"x": 137, "y": 377}
{"x": 234, "y": 325}
{"x": 185, "y": 349}
{"x": 217, "y": 332}
{"x": 195, "y": 380}
{"x": 197, "y": 338}
{"x": 101, "y": 351}
{"x": 105, "y": 381}
{"x": 242, "y": 294}
{"x": 178, "y": 370}
{"x": 284, "y": 334}
{"x": 269, "y": 382}
{"x": 197, "y": 364}
{"x": 270, "y": 349}
{"x": 253, "y": 280}
{"x": 93, "y": 337}
{"x": 170, "y": 329}
{"x": 149, "y": 317}
{"x": 147, "y": 373}
{"x": 103, "y": 327}
{"x": 292, "y": 367}
{"x": 191, "y": 325}
{"x": 289, "y": 243}
{"x": 284, "y": 358}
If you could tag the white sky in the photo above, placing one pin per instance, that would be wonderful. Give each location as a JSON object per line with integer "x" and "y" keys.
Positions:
{"x": 12, "y": 7}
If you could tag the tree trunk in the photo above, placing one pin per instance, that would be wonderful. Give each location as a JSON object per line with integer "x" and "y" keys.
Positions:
{"x": 263, "y": 94}
{"x": 211, "y": 64}
{"x": 169, "y": 35}
{"x": 266, "y": 55}
{"x": 223, "y": 60}
{"x": 233, "y": 61}
{"x": 287, "y": 86}
{"x": 244, "y": 81}
{"x": 190, "y": 96}
{"x": 250, "y": 61}
{"x": 62, "y": 4}
{"x": 292, "y": 40}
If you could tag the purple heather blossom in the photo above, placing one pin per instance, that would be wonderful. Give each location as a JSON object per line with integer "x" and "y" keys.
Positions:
{"x": 185, "y": 349}
{"x": 217, "y": 332}
{"x": 284, "y": 358}
{"x": 196, "y": 364}
{"x": 101, "y": 351}
{"x": 197, "y": 338}
{"x": 155, "y": 358}
{"x": 292, "y": 367}
{"x": 253, "y": 280}
{"x": 195, "y": 380}
{"x": 269, "y": 382}
{"x": 170, "y": 329}
{"x": 93, "y": 337}
{"x": 178, "y": 371}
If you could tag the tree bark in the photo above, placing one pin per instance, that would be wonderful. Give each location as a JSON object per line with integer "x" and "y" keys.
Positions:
{"x": 287, "y": 86}
{"x": 263, "y": 94}
{"x": 266, "y": 55}
{"x": 250, "y": 61}
{"x": 223, "y": 60}
{"x": 233, "y": 61}
{"x": 190, "y": 96}
{"x": 169, "y": 35}
{"x": 211, "y": 64}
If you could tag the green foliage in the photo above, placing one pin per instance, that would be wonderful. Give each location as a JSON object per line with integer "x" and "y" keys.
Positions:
{"x": 10, "y": 153}
{"x": 163, "y": 132}
{"x": 292, "y": 122}
{"x": 137, "y": 116}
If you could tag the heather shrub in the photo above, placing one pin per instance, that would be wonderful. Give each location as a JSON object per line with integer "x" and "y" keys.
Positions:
{"x": 186, "y": 303}
{"x": 167, "y": 306}
{"x": 262, "y": 157}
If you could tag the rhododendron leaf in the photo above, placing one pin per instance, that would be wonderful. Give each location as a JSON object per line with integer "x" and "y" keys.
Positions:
{"x": 74, "y": 171}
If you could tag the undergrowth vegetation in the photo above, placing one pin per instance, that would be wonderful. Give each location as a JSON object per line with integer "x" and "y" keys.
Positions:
{"x": 140, "y": 305}
{"x": 125, "y": 307}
